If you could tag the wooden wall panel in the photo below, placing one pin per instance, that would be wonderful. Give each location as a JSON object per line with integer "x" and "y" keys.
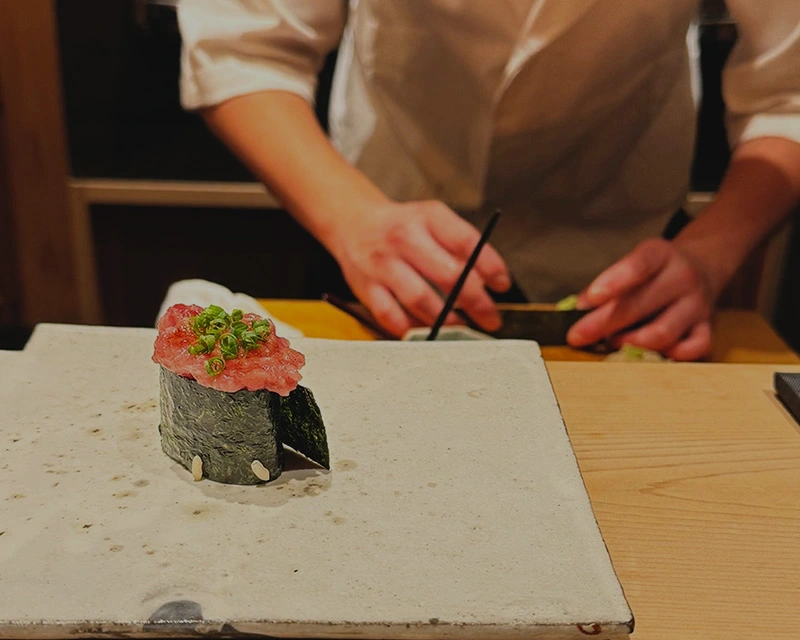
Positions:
{"x": 36, "y": 169}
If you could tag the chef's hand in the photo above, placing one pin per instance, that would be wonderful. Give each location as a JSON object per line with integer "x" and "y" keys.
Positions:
{"x": 392, "y": 254}
{"x": 673, "y": 285}
{"x": 660, "y": 284}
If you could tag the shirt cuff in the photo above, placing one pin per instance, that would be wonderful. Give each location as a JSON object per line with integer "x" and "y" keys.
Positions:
{"x": 764, "y": 125}
{"x": 215, "y": 85}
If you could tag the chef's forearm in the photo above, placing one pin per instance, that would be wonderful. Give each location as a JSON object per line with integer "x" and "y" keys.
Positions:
{"x": 760, "y": 190}
{"x": 276, "y": 134}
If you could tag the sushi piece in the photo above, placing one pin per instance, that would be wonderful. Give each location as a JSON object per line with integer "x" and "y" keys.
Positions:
{"x": 230, "y": 396}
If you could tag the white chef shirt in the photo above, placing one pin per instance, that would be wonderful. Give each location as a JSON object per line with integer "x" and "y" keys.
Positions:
{"x": 576, "y": 117}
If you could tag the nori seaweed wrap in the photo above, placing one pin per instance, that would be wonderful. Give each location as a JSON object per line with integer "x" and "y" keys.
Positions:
{"x": 228, "y": 431}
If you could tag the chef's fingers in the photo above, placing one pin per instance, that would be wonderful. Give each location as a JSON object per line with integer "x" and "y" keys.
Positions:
{"x": 695, "y": 346}
{"x": 636, "y": 268}
{"x": 676, "y": 279}
{"x": 383, "y": 306}
{"x": 478, "y": 305}
{"x": 666, "y": 330}
{"x": 415, "y": 294}
{"x": 592, "y": 327}
{"x": 459, "y": 237}
{"x": 441, "y": 268}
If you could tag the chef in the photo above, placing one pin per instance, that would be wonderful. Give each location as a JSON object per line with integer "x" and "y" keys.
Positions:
{"x": 575, "y": 117}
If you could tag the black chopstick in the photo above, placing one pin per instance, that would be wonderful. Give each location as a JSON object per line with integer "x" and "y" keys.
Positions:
{"x": 451, "y": 298}
{"x": 363, "y": 318}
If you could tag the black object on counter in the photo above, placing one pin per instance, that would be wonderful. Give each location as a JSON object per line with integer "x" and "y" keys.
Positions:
{"x": 787, "y": 387}
{"x": 548, "y": 328}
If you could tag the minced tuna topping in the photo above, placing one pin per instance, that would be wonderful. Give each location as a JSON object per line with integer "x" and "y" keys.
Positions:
{"x": 226, "y": 351}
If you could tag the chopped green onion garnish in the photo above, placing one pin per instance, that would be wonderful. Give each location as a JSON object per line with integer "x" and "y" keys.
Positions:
{"x": 205, "y": 344}
{"x": 200, "y": 324}
{"x": 214, "y": 366}
{"x": 261, "y": 328}
{"x": 229, "y": 346}
{"x": 213, "y": 325}
{"x": 218, "y": 325}
{"x": 249, "y": 340}
{"x": 237, "y": 328}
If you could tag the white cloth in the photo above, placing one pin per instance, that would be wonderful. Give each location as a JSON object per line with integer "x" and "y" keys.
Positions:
{"x": 205, "y": 293}
{"x": 574, "y": 116}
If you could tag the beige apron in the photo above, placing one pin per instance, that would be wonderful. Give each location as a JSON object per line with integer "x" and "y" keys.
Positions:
{"x": 584, "y": 144}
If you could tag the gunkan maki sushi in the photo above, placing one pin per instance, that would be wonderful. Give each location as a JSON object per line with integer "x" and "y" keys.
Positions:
{"x": 230, "y": 397}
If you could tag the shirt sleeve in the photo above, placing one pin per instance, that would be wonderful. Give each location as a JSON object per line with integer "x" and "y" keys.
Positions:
{"x": 235, "y": 47}
{"x": 761, "y": 81}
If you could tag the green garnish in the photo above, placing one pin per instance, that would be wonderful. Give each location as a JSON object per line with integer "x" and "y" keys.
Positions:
{"x": 237, "y": 328}
{"x": 214, "y": 366}
{"x": 218, "y": 325}
{"x": 197, "y": 349}
{"x": 570, "y": 303}
{"x": 261, "y": 328}
{"x": 229, "y": 346}
{"x": 213, "y": 326}
{"x": 211, "y": 320}
{"x": 205, "y": 344}
{"x": 632, "y": 353}
{"x": 200, "y": 324}
{"x": 250, "y": 340}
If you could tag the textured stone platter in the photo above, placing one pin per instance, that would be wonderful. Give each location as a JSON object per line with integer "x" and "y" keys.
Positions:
{"x": 454, "y": 507}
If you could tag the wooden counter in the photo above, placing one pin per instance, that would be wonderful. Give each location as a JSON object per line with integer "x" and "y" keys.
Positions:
{"x": 694, "y": 475}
